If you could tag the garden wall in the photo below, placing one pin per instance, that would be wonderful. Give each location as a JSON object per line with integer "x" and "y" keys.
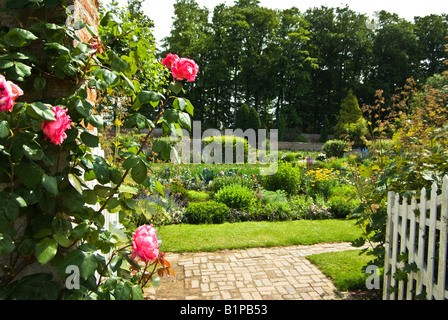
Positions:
{"x": 300, "y": 146}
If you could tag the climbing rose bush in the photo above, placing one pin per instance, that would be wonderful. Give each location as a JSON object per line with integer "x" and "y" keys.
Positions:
{"x": 145, "y": 244}
{"x": 55, "y": 130}
{"x": 55, "y": 187}
{"x": 9, "y": 92}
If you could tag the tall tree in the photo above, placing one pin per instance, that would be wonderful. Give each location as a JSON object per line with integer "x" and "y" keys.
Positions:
{"x": 432, "y": 35}
{"x": 395, "y": 52}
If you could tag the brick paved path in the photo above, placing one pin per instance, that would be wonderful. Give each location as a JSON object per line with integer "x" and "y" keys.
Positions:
{"x": 279, "y": 273}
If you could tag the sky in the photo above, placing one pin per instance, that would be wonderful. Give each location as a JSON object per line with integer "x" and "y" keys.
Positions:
{"x": 161, "y": 11}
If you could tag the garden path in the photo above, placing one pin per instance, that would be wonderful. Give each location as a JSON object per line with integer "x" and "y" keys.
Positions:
{"x": 278, "y": 273}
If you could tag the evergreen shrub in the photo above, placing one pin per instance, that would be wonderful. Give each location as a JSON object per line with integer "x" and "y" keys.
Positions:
{"x": 287, "y": 178}
{"x": 206, "y": 212}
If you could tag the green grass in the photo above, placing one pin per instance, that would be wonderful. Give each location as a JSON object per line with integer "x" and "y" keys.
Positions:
{"x": 212, "y": 237}
{"x": 345, "y": 268}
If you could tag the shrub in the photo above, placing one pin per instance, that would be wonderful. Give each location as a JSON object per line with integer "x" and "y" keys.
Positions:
{"x": 234, "y": 196}
{"x": 222, "y": 181}
{"x": 193, "y": 195}
{"x": 266, "y": 196}
{"x": 287, "y": 178}
{"x": 206, "y": 212}
{"x": 342, "y": 206}
{"x": 343, "y": 200}
{"x": 302, "y": 138}
{"x": 273, "y": 211}
{"x": 234, "y": 141}
{"x": 289, "y": 157}
{"x": 335, "y": 148}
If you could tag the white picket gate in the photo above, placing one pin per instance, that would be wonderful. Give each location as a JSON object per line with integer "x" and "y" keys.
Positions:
{"x": 416, "y": 235}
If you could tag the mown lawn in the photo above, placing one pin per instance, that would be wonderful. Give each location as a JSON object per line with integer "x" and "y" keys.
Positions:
{"x": 212, "y": 237}
{"x": 345, "y": 268}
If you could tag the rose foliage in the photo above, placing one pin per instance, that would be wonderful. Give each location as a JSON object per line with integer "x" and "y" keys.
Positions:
{"x": 54, "y": 187}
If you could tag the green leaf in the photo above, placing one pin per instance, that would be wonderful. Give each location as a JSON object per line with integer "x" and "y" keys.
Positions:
{"x": 50, "y": 184}
{"x": 140, "y": 121}
{"x": 57, "y": 46}
{"x": 180, "y": 103}
{"x": 110, "y": 77}
{"x": 189, "y": 108}
{"x": 4, "y": 129}
{"x": 61, "y": 239}
{"x": 184, "y": 120}
{"x": 33, "y": 154}
{"x": 176, "y": 87}
{"x": 88, "y": 266}
{"x": 18, "y": 200}
{"x": 110, "y": 19}
{"x": 128, "y": 82}
{"x": 96, "y": 120}
{"x": 90, "y": 140}
{"x": 61, "y": 226}
{"x": 5, "y": 64}
{"x": 149, "y": 96}
{"x": 122, "y": 291}
{"x": 139, "y": 172}
{"x": 80, "y": 230}
{"x": 12, "y": 211}
{"x": 137, "y": 293}
{"x": 84, "y": 108}
{"x": 159, "y": 188}
{"x": 171, "y": 115}
{"x": 26, "y": 247}
{"x": 130, "y": 162}
{"x": 41, "y": 111}
{"x": 103, "y": 192}
{"x": 101, "y": 171}
{"x": 128, "y": 189}
{"x": 19, "y": 37}
{"x": 46, "y": 250}
{"x": 116, "y": 263}
{"x": 118, "y": 64}
{"x": 6, "y": 244}
{"x": 22, "y": 69}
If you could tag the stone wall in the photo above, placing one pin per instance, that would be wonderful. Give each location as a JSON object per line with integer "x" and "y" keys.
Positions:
{"x": 300, "y": 146}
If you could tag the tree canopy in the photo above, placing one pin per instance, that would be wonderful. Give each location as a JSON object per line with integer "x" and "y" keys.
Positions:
{"x": 299, "y": 64}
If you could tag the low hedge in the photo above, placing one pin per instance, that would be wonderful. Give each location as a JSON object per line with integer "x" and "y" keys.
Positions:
{"x": 206, "y": 212}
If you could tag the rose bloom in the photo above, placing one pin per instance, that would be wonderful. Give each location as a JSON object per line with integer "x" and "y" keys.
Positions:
{"x": 184, "y": 68}
{"x": 8, "y": 94}
{"x": 169, "y": 60}
{"x": 55, "y": 130}
{"x": 145, "y": 244}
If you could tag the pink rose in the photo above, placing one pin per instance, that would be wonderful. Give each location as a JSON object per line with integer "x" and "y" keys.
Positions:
{"x": 55, "y": 130}
{"x": 145, "y": 243}
{"x": 8, "y": 94}
{"x": 184, "y": 68}
{"x": 169, "y": 60}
